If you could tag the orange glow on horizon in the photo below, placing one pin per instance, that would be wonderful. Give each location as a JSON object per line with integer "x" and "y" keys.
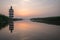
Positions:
{"x": 26, "y": 12}
{"x": 22, "y": 12}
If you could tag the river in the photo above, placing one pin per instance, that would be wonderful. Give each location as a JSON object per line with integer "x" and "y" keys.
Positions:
{"x": 27, "y": 30}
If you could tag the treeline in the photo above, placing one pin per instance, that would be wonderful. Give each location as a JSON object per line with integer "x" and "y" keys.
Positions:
{"x": 17, "y": 19}
{"x": 49, "y": 20}
{"x": 3, "y": 21}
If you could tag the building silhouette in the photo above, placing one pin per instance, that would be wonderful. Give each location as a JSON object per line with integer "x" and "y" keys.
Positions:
{"x": 11, "y": 15}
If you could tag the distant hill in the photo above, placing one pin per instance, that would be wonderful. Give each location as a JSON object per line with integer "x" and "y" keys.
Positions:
{"x": 48, "y": 20}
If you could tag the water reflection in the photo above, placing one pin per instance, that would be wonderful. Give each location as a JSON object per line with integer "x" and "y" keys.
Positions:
{"x": 27, "y": 30}
{"x": 36, "y": 31}
{"x": 3, "y": 26}
{"x": 11, "y": 26}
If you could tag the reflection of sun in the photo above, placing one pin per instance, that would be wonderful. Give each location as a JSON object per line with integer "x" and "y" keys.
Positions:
{"x": 22, "y": 26}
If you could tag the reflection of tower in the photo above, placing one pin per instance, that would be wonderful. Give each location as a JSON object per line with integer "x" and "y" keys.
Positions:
{"x": 11, "y": 27}
{"x": 11, "y": 15}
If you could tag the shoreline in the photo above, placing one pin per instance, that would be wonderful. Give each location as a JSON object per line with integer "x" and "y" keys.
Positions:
{"x": 48, "y": 20}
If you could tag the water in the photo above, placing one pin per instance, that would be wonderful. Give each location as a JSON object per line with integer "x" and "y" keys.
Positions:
{"x": 27, "y": 30}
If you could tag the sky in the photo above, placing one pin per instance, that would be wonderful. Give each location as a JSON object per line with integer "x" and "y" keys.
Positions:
{"x": 31, "y": 8}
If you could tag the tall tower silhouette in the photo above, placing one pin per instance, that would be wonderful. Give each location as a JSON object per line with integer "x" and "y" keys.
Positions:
{"x": 11, "y": 15}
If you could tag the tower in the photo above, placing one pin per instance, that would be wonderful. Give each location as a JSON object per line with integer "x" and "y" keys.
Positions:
{"x": 11, "y": 15}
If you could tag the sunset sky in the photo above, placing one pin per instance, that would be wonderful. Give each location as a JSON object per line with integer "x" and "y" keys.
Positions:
{"x": 31, "y": 8}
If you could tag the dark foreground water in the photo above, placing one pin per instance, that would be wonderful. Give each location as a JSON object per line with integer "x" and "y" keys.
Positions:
{"x": 27, "y": 30}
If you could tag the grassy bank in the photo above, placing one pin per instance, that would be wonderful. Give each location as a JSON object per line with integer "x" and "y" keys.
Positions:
{"x": 48, "y": 20}
{"x": 3, "y": 21}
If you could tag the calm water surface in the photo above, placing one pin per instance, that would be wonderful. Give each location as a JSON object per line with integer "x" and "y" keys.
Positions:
{"x": 27, "y": 30}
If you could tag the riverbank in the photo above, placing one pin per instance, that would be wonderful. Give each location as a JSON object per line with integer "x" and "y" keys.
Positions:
{"x": 48, "y": 20}
{"x": 3, "y": 21}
